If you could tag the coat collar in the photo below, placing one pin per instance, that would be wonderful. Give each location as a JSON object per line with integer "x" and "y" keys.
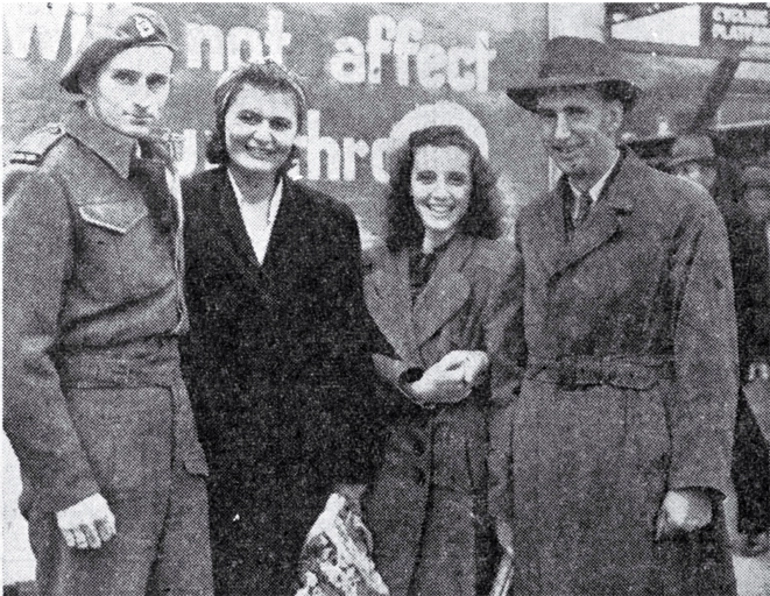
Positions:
{"x": 114, "y": 148}
{"x": 447, "y": 289}
{"x": 603, "y": 223}
{"x": 408, "y": 326}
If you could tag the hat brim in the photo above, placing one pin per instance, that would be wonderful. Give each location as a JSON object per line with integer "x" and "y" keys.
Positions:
{"x": 527, "y": 95}
{"x": 99, "y": 54}
{"x": 703, "y": 160}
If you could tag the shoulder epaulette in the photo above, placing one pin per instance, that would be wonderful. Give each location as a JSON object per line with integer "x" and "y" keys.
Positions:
{"x": 34, "y": 147}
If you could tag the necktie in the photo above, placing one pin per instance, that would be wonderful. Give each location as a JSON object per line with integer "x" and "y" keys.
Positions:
{"x": 583, "y": 207}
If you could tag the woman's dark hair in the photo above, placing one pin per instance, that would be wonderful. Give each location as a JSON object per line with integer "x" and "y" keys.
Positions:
{"x": 269, "y": 76}
{"x": 484, "y": 215}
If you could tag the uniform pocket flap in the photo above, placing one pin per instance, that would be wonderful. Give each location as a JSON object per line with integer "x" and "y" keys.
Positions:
{"x": 117, "y": 217}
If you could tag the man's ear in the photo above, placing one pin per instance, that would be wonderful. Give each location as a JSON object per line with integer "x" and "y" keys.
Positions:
{"x": 613, "y": 116}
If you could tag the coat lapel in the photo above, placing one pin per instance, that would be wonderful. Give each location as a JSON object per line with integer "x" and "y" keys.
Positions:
{"x": 283, "y": 250}
{"x": 446, "y": 291}
{"x": 389, "y": 297}
{"x": 604, "y": 221}
{"x": 233, "y": 221}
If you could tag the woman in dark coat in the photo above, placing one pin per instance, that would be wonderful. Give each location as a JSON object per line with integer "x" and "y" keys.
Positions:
{"x": 438, "y": 291}
{"x": 278, "y": 361}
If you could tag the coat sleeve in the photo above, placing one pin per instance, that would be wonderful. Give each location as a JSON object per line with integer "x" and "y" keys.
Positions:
{"x": 357, "y": 336}
{"x": 38, "y": 246}
{"x": 701, "y": 408}
{"x": 504, "y": 338}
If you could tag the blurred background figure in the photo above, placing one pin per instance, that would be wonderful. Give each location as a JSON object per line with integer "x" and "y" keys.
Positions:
{"x": 692, "y": 157}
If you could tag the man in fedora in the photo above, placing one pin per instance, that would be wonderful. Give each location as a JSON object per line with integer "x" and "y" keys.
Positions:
{"x": 619, "y": 446}
{"x": 95, "y": 408}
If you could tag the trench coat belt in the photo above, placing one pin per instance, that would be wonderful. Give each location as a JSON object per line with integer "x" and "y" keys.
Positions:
{"x": 625, "y": 372}
{"x": 146, "y": 363}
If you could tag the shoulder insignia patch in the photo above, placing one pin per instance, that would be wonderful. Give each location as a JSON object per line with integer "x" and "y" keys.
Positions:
{"x": 34, "y": 147}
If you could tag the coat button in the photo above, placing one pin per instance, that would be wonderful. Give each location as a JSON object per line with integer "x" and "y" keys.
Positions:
{"x": 419, "y": 447}
{"x": 420, "y": 478}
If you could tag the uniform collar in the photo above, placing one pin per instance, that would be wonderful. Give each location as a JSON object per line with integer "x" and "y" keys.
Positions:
{"x": 114, "y": 148}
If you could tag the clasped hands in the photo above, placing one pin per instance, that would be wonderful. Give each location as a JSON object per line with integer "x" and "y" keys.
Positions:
{"x": 451, "y": 379}
{"x": 683, "y": 510}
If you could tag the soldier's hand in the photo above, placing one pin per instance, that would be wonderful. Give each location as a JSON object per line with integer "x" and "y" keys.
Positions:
{"x": 759, "y": 370}
{"x": 683, "y": 510}
{"x": 88, "y": 523}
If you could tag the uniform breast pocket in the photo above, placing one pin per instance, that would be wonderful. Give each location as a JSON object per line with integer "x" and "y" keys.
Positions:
{"x": 120, "y": 254}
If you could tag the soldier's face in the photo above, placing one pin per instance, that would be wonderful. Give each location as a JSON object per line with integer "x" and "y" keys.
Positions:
{"x": 131, "y": 89}
{"x": 577, "y": 128}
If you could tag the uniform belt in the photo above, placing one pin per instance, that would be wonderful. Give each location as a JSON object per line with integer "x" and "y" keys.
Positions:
{"x": 639, "y": 372}
{"x": 150, "y": 362}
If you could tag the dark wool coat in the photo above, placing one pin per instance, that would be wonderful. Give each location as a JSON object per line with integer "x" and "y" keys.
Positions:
{"x": 629, "y": 392}
{"x": 280, "y": 372}
{"x": 427, "y": 508}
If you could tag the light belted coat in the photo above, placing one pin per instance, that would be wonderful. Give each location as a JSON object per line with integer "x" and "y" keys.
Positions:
{"x": 427, "y": 507}
{"x": 629, "y": 392}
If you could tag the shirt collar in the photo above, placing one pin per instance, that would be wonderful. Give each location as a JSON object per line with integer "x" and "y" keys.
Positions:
{"x": 114, "y": 148}
{"x": 596, "y": 190}
{"x": 275, "y": 201}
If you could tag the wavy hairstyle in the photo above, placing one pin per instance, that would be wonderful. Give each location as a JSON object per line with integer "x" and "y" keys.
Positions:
{"x": 269, "y": 76}
{"x": 484, "y": 216}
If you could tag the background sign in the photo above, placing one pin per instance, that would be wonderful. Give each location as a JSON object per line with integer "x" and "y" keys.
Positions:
{"x": 364, "y": 65}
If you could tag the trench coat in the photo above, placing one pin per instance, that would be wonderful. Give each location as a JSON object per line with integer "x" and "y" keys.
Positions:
{"x": 427, "y": 507}
{"x": 630, "y": 391}
{"x": 94, "y": 400}
{"x": 279, "y": 367}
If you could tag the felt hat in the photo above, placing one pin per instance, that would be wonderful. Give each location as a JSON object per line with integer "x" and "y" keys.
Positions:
{"x": 576, "y": 62}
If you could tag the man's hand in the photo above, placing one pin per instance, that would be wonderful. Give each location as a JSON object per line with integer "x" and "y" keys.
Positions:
{"x": 87, "y": 524}
{"x": 684, "y": 510}
{"x": 759, "y": 370}
{"x": 438, "y": 385}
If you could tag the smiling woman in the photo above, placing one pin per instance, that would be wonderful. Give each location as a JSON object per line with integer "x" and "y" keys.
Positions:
{"x": 279, "y": 358}
{"x": 436, "y": 292}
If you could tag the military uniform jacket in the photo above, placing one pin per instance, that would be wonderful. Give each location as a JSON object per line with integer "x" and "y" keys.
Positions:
{"x": 630, "y": 389}
{"x": 93, "y": 303}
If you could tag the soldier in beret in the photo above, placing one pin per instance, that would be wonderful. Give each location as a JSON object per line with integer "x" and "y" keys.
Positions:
{"x": 619, "y": 446}
{"x": 113, "y": 474}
